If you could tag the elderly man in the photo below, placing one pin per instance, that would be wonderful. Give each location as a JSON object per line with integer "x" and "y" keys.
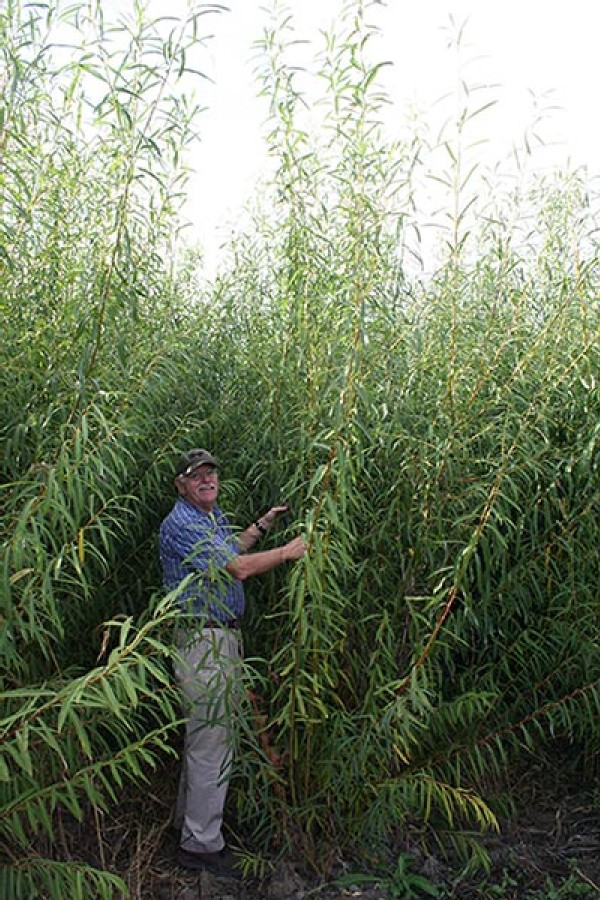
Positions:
{"x": 201, "y": 553}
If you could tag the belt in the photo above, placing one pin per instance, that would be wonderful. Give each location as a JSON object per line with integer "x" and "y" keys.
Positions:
{"x": 234, "y": 624}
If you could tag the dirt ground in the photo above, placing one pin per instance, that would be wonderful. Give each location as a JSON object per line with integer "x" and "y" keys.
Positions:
{"x": 550, "y": 850}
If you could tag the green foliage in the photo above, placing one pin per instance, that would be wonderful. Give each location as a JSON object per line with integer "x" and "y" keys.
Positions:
{"x": 568, "y": 889}
{"x": 572, "y": 887}
{"x": 93, "y": 377}
{"x": 400, "y": 882}
{"x": 438, "y": 444}
{"x": 58, "y": 879}
{"x": 439, "y": 654}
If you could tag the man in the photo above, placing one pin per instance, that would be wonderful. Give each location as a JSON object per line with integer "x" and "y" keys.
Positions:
{"x": 201, "y": 553}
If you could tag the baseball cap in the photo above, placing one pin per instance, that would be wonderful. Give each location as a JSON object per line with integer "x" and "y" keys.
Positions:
{"x": 192, "y": 459}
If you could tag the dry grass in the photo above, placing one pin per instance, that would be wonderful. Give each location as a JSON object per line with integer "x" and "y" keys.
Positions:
{"x": 553, "y": 838}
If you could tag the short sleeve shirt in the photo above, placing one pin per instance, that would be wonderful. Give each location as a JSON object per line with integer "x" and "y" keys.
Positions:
{"x": 197, "y": 543}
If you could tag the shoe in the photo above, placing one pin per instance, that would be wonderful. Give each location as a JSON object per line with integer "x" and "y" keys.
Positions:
{"x": 224, "y": 863}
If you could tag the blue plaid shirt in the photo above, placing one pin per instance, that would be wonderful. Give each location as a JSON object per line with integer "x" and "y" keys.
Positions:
{"x": 196, "y": 542}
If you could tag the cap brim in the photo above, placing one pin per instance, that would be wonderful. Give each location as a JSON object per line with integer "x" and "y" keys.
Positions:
{"x": 196, "y": 465}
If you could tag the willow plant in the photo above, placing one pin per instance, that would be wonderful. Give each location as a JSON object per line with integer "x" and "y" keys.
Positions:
{"x": 437, "y": 444}
{"x": 93, "y": 379}
{"x": 428, "y": 638}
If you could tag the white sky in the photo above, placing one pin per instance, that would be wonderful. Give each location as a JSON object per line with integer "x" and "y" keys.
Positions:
{"x": 530, "y": 48}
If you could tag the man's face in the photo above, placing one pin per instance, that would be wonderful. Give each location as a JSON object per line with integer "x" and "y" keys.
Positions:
{"x": 200, "y": 487}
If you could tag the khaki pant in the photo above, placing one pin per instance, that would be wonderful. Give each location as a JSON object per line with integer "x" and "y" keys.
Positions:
{"x": 208, "y": 671}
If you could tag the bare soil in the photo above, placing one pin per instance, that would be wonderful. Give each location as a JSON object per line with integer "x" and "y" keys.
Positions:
{"x": 549, "y": 849}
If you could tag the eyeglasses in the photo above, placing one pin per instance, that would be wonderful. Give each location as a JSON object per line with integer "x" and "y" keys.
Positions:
{"x": 200, "y": 473}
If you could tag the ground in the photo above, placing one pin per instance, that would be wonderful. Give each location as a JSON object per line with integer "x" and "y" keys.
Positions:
{"x": 549, "y": 851}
